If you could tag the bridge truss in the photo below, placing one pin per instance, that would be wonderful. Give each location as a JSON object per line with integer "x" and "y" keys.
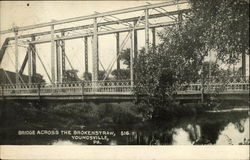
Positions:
{"x": 102, "y": 24}
{"x": 95, "y": 25}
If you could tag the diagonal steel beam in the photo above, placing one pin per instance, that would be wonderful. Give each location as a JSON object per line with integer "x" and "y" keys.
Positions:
{"x": 41, "y": 63}
{"x": 24, "y": 63}
{"x": 3, "y": 48}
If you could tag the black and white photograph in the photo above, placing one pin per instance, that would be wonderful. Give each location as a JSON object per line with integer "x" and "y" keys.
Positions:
{"x": 167, "y": 73}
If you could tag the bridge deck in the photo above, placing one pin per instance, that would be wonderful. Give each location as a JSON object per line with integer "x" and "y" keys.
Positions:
{"x": 111, "y": 90}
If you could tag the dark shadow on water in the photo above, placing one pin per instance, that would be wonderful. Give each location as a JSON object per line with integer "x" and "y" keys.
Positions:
{"x": 109, "y": 129}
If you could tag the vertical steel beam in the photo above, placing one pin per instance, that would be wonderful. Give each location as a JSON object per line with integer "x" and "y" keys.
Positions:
{"x": 16, "y": 55}
{"x": 135, "y": 42}
{"x": 95, "y": 52}
{"x": 131, "y": 58}
{"x": 243, "y": 63}
{"x": 180, "y": 18}
{"x": 58, "y": 63}
{"x": 63, "y": 57}
{"x": 209, "y": 69}
{"x": 146, "y": 32}
{"x": 153, "y": 39}
{"x": 52, "y": 54}
{"x": 86, "y": 75}
{"x": 135, "y": 46}
{"x": 97, "y": 56}
{"x": 86, "y": 55}
{"x": 30, "y": 63}
{"x": 33, "y": 61}
{"x": 117, "y": 54}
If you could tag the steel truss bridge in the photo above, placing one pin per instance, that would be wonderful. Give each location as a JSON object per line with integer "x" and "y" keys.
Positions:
{"x": 102, "y": 24}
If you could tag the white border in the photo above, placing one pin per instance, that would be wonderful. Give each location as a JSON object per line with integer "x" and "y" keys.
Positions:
{"x": 181, "y": 152}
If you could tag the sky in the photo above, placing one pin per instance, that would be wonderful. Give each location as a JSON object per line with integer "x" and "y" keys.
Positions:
{"x": 23, "y": 13}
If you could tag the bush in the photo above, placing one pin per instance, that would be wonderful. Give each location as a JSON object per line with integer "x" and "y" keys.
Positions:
{"x": 93, "y": 114}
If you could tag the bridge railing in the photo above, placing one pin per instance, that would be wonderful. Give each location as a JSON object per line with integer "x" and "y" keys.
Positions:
{"x": 109, "y": 87}
{"x": 67, "y": 88}
{"x": 216, "y": 87}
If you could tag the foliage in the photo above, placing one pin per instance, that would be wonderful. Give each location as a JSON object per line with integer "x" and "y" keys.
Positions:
{"x": 71, "y": 75}
{"x": 225, "y": 26}
{"x": 219, "y": 26}
{"x": 87, "y": 76}
{"x": 161, "y": 73}
{"x": 123, "y": 73}
{"x": 38, "y": 78}
{"x": 93, "y": 114}
{"x": 102, "y": 74}
{"x": 125, "y": 57}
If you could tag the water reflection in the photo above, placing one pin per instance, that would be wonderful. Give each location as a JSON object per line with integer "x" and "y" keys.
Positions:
{"x": 182, "y": 137}
{"x": 230, "y": 128}
{"x": 233, "y": 133}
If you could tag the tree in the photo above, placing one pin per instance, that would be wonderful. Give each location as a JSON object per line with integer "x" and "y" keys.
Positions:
{"x": 177, "y": 60}
{"x": 38, "y": 78}
{"x": 162, "y": 72}
{"x": 101, "y": 75}
{"x": 88, "y": 76}
{"x": 71, "y": 75}
{"x": 123, "y": 73}
{"x": 225, "y": 24}
{"x": 125, "y": 57}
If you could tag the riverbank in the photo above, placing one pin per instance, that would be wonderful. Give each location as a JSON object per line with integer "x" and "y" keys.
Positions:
{"x": 181, "y": 121}
{"x": 94, "y": 114}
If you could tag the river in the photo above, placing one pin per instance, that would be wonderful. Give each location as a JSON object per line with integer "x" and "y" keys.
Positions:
{"x": 218, "y": 128}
